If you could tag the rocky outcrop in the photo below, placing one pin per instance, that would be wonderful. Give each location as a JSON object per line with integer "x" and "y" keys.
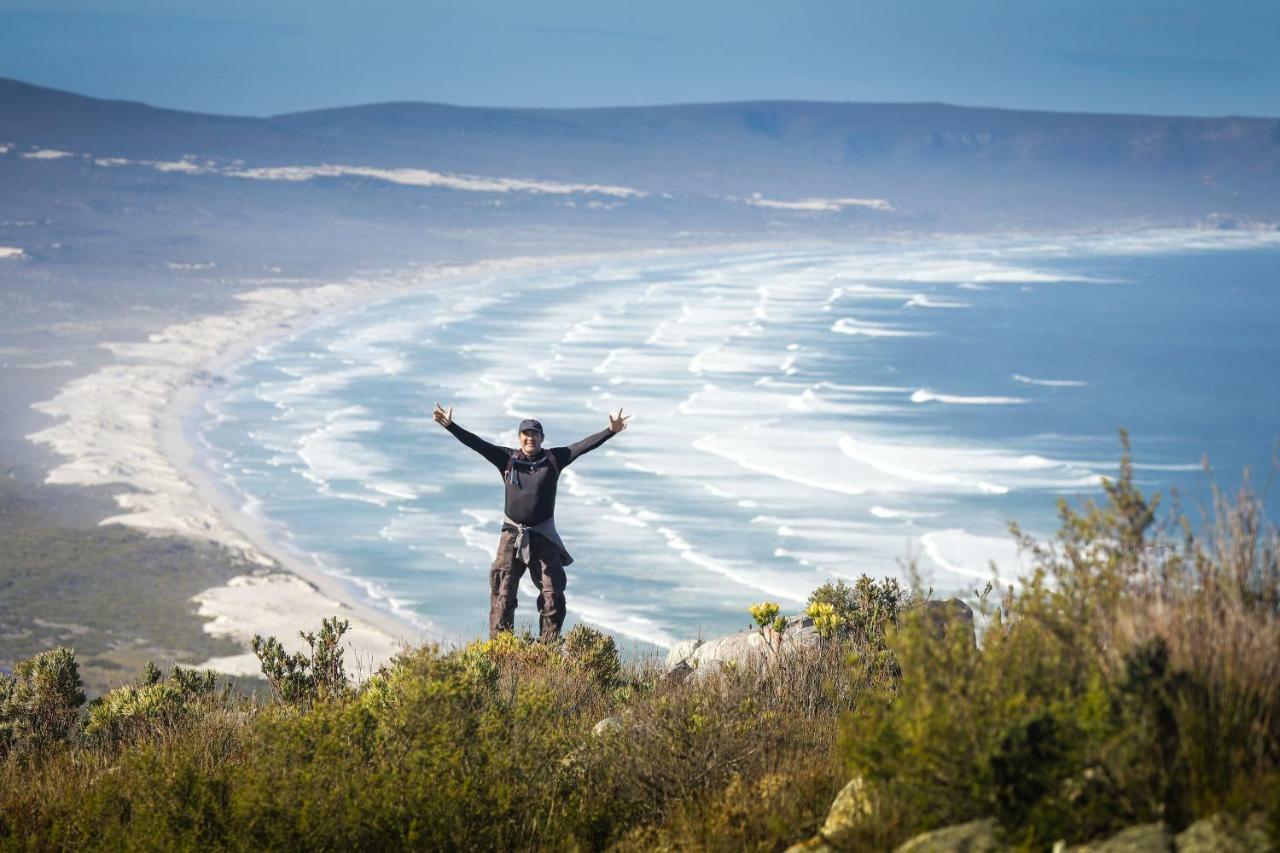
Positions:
{"x": 761, "y": 647}
{"x": 1221, "y": 834}
{"x": 1143, "y": 838}
{"x": 1218, "y": 834}
{"x": 607, "y": 726}
{"x": 756, "y": 648}
{"x": 851, "y": 804}
{"x": 943, "y": 617}
{"x": 976, "y": 836}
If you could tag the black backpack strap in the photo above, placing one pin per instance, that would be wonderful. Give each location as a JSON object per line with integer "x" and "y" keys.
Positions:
{"x": 511, "y": 464}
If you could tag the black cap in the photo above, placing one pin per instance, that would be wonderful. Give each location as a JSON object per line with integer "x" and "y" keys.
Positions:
{"x": 530, "y": 425}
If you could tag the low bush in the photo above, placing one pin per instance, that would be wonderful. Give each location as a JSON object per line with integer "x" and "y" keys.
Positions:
{"x": 301, "y": 679}
{"x": 1132, "y": 677}
{"x": 40, "y": 703}
{"x": 867, "y": 609}
{"x": 150, "y": 707}
{"x": 594, "y": 654}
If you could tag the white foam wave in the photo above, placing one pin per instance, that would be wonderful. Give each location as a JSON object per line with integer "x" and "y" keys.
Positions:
{"x": 403, "y": 491}
{"x": 862, "y": 389}
{"x": 428, "y": 178}
{"x": 920, "y": 300}
{"x": 820, "y": 205}
{"x": 629, "y": 621}
{"x": 739, "y": 575}
{"x": 886, "y": 512}
{"x": 751, "y": 461}
{"x": 924, "y": 396}
{"x": 875, "y": 457}
{"x": 46, "y": 154}
{"x": 185, "y": 166}
{"x": 861, "y": 291}
{"x": 850, "y": 326}
{"x": 334, "y": 453}
{"x": 810, "y": 400}
{"x": 1052, "y": 383}
{"x": 43, "y": 365}
{"x": 1147, "y": 466}
{"x": 609, "y": 359}
{"x": 644, "y": 469}
{"x": 972, "y": 270}
{"x": 969, "y": 555}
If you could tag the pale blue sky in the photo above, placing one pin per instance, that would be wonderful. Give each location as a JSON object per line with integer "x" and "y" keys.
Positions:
{"x": 249, "y": 57}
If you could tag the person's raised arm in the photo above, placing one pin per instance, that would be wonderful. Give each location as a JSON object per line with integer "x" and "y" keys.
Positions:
{"x": 617, "y": 423}
{"x": 496, "y": 455}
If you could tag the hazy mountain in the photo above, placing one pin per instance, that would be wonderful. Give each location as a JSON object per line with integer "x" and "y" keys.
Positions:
{"x": 718, "y": 143}
{"x": 382, "y": 173}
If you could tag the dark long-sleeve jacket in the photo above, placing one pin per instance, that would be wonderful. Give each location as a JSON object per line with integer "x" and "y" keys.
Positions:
{"x": 531, "y": 493}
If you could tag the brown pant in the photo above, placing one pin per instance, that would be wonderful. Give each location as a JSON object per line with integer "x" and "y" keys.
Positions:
{"x": 504, "y": 582}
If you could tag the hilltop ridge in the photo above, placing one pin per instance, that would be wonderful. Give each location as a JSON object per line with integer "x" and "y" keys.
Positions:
{"x": 743, "y": 166}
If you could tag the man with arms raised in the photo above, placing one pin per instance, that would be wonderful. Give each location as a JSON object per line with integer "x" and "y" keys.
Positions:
{"x": 529, "y": 539}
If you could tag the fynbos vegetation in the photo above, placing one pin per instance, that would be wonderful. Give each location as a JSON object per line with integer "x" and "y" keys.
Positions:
{"x": 1132, "y": 677}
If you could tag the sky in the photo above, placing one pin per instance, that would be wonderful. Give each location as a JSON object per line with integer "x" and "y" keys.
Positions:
{"x": 1168, "y": 57}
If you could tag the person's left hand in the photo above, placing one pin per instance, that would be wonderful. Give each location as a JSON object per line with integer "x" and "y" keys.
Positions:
{"x": 617, "y": 423}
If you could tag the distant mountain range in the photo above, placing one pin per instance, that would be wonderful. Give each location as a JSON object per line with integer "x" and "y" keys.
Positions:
{"x": 735, "y": 169}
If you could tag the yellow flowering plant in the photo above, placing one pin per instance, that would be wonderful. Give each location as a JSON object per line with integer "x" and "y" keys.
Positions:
{"x": 765, "y": 612}
{"x": 826, "y": 621}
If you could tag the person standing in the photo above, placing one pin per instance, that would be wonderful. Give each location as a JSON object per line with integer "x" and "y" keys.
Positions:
{"x": 529, "y": 539}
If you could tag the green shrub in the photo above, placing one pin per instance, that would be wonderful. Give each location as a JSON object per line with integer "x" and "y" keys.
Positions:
{"x": 594, "y": 654}
{"x": 867, "y": 609}
{"x": 1131, "y": 678}
{"x": 432, "y": 756}
{"x": 763, "y": 812}
{"x": 151, "y": 706}
{"x": 40, "y": 703}
{"x": 301, "y": 679}
{"x": 1029, "y": 763}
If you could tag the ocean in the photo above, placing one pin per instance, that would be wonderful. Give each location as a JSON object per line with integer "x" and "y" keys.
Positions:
{"x": 797, "y": 416}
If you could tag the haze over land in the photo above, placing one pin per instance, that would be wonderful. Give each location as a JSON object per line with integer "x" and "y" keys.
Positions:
{"x": 750, "y": 169}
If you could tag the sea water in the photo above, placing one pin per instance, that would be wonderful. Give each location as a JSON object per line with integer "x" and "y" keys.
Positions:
{"x": 797, "y": 416}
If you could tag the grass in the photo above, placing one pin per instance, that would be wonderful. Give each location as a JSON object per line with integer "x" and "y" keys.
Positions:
{"x": 118, "y": 596}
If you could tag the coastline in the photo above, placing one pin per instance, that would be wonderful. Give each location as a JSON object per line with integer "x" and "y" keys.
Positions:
{"x": 286, "y": 588}
{"x": 126, "y": 425}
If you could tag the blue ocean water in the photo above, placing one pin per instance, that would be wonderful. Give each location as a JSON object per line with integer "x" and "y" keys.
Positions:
{"x": 797, "y": 416}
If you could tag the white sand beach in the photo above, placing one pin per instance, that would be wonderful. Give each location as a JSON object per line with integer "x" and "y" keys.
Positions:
{"x": 123, "y": 425}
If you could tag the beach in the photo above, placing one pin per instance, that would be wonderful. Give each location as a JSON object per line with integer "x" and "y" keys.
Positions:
{"x": 124, "y": 426}
{"x": 801, "y": 414}
{"x": 838, "y": 346}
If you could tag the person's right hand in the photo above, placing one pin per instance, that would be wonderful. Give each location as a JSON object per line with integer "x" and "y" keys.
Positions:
{"x": 442, "y": 417}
